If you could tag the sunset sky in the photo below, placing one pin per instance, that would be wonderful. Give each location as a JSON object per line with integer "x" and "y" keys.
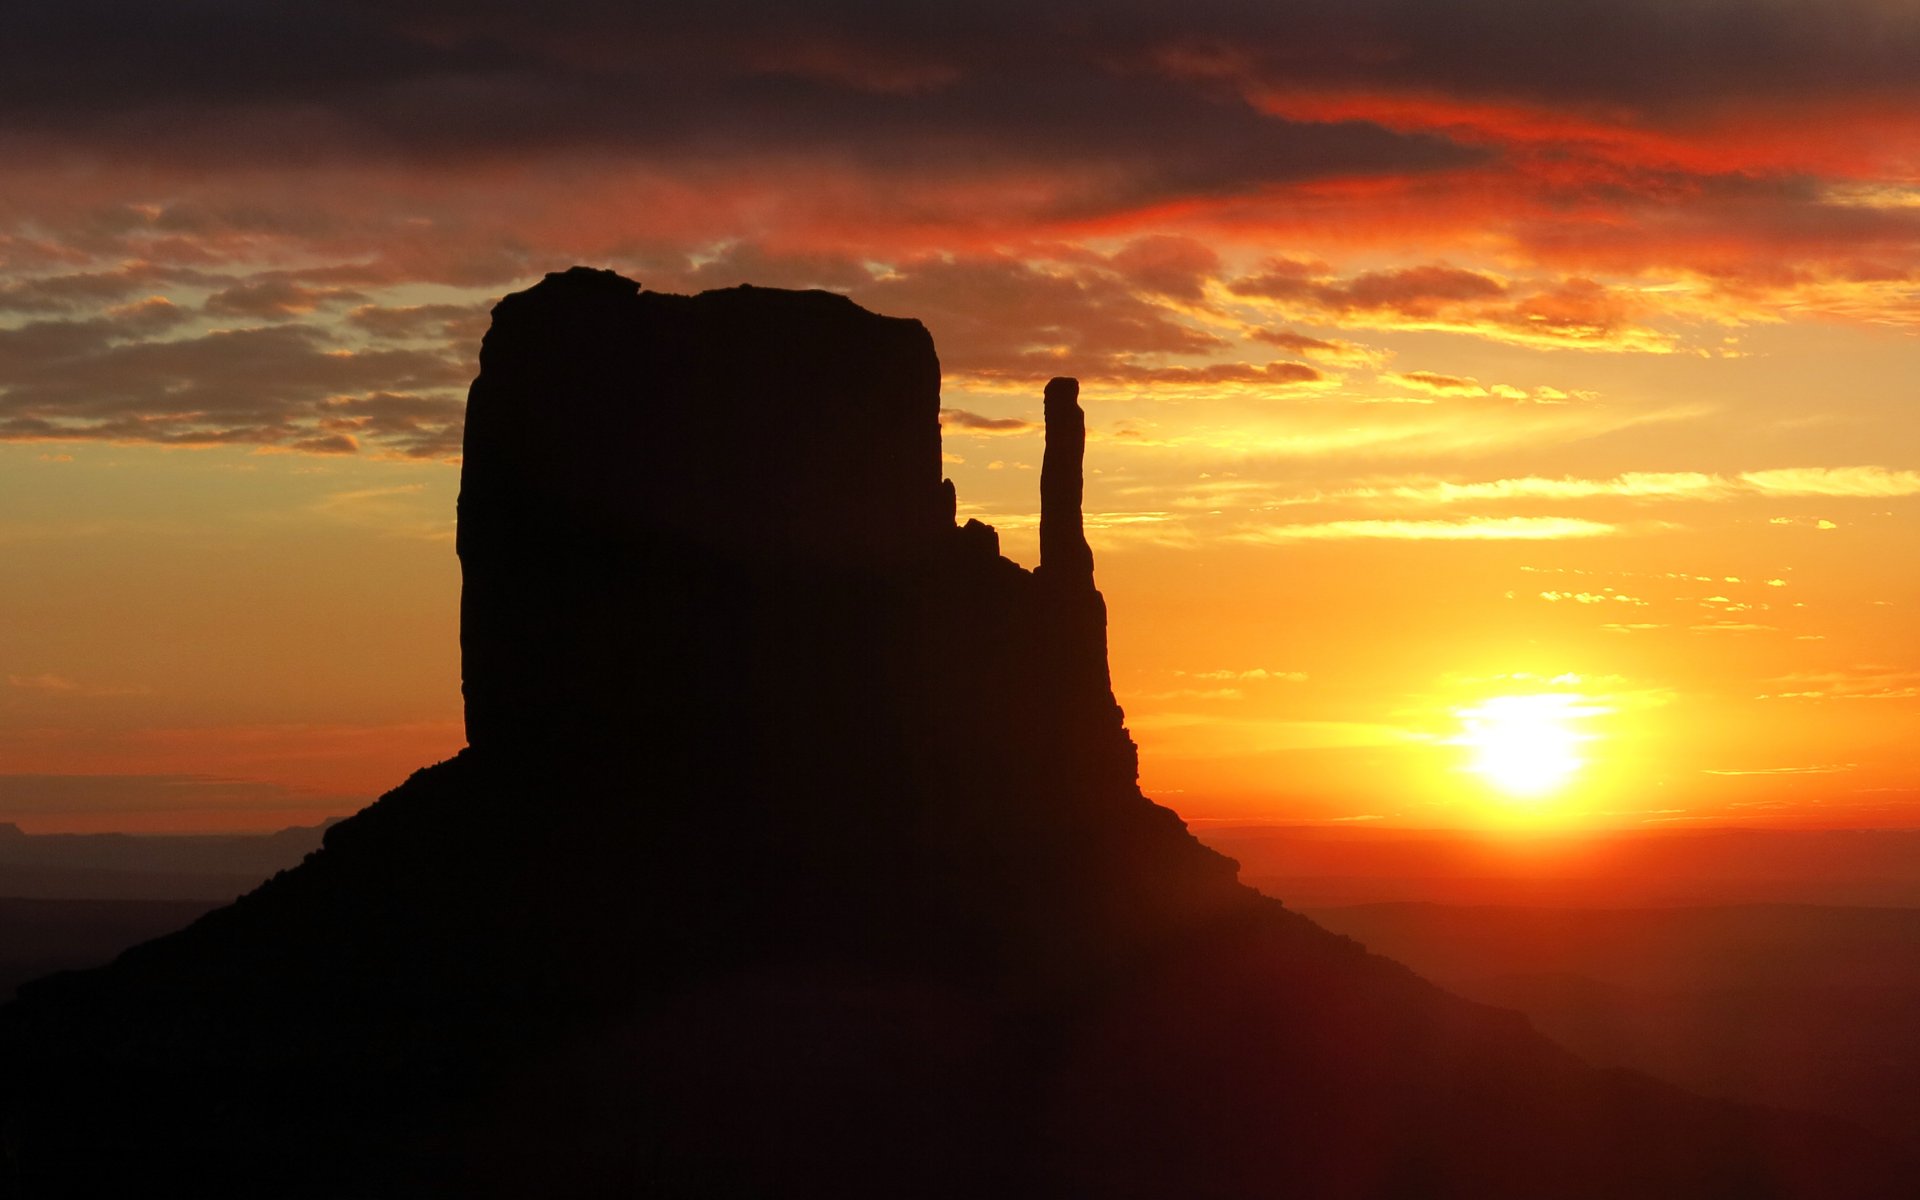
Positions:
{"x": 1466, "y": 380}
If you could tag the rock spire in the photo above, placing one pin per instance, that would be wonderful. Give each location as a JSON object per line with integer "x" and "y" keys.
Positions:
{"x": 1064, "y": 554}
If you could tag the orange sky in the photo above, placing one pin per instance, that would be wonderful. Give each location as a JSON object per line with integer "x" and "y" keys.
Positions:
{"x": 1433, "y": 354}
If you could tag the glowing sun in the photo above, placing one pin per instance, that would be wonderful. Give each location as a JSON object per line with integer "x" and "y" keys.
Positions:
{"x": 1525, "y": 746}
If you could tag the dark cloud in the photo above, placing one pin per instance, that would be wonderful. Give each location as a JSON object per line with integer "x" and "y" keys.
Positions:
{"x": 324, "y": 443}
{"x": 890, "y": 91}
{"x": 462, "y": 324}
{"x": 418, "y": 71}
{"x": 961, "y": 419}
{"x": 993, "y": 314}
{"x": 1413, "y": 291}
{"x": 1572, "y": 311}
{"x": 1299, "y": 343}
{"x": 1409, "y": 291}
{"x": 139, "y": 372}
{"x": 75, "y": 290}
{"x": 474, "y": 143}
{"x": 275, "y": 297}
{"x": 748, "y": 262}
{"x": 102, "y": 378}
{"x": 1667, "y": 56}
{"x": 413, "y": 426}
{"x": 1103, "y": 318}
{"x": 1444, "y": 385}
{"x": 144, "y": 318}
{"x": 1282, "y": 278}
{"x": 1177, "y": 267}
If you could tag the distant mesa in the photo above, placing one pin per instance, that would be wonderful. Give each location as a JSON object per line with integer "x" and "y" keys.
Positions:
{"x": 798, "y": 850}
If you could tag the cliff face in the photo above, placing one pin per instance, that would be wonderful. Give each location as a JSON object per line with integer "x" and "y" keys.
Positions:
{"x": 613, "y": 432}
{"x": 798, "y": 850}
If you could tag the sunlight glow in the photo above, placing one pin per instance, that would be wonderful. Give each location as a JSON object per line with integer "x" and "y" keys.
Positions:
{"x": 1525, "y": 746}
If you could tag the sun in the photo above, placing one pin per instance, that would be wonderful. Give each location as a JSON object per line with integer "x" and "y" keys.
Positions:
{"x": 1525, "y": 746}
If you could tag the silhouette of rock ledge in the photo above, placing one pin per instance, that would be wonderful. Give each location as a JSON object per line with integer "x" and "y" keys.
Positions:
{"x": 798, "y": 851}
{"x": 611, "y": 429}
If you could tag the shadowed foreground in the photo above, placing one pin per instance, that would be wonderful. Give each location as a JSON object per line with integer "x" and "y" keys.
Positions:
{"x": 798, "y": 851}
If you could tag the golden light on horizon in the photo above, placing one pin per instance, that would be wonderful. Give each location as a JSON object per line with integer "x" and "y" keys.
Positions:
{"x": 1526, "y": 747}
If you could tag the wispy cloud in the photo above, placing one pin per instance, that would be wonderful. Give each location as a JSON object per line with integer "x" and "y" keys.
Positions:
{"x": 1601, "y": 597}
{"x": 49, "y": 684}
{"x": 1688, "y": 485}
{"x": 1576, "y": 312}
{"x": 1441, "y": 385}
{"x": 1856, "y": 683}
{"x": 1472, "y": 529}
{"x": 1251, "y": 673}
{"x": 1871, "y": 482}
{"x": 960, "y": 422}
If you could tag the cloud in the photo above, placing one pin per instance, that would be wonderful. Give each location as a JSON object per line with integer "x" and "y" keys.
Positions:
{"x": 1866, "y": 481}
{"x": 905, "y": 93}
{"x": 462, "y": 324}
{"x": 1093, "y": 210}
{"x": 1263, "y": 431}
{"x": 1252, "y": 673}
{"x": 1331, "y": 349}
{"x": 1639, "y": 485}
{"x": 275, "y": 297}
{"x": 145, "y": 318}
{"x": 1861, "y": 482}
{"x": 1278, "y": 372}
{"x": 1196, "y": 694}
{"x": 1820, "y": 523}
{"x": 479, "y": 143}
{"x": 1413, "y": 292}
{"x": 1417, "y": 292}
{"x": 1609, "y": 595}
{"x": 1472, "y": 529}
{"x": 1440, "y": 385}
{"x": 960, "y": 421}
{"x": 1573, "y": 312}
{"x": 408, "y": 424}
{"x": 1855, "y": 683}
{"x": 1648, "y": 56}
{"x": 59, "y": 685}
{"x": 996, "y": 317}
{"x": 71, "y": 291}
{"x": 1176, "y": 267}
{"x": 104, "y": 378}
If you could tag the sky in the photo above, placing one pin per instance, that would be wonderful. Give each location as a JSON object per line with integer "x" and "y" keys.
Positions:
{"x": 1501, "y": 414}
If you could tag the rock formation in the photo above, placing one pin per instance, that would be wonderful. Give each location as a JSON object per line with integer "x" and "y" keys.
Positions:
{"x": 798, "y": 850}
{"x": 1064, "y": 553}
{"x": 607, "y": 438}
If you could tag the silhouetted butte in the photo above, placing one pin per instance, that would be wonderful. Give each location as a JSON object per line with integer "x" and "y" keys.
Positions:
{"x": 798, "y": 850}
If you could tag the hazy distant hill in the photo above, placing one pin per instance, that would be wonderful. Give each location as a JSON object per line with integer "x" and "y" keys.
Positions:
{"x": 77, "y": 900}
{"x": 119, "y": 866}
{"x": 39, "y": 937}
{"x": 1797, "y": 1005}
{"x": 1324, "y": 866}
